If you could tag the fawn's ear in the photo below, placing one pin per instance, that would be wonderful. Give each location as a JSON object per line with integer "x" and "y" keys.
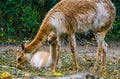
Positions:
{"x": 23, "y": 47}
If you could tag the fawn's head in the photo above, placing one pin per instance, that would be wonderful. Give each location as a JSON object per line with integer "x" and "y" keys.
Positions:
{"x": 21, "y": 58}
{"x": 52, "y": 38}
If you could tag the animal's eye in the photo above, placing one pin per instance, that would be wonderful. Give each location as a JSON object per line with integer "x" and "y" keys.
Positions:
{"x": 53, "y": 37}
{"x": 19, "y": 59}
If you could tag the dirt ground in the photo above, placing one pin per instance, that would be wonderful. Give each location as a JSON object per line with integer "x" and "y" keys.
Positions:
{"x": 87, "y": 51}
{"x": 113, "y": 48}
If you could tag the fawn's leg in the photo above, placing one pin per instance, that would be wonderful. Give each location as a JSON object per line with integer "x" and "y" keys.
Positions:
{"x": 101, "y": 49}
{"x": 60, "y": 39}
{"x": 73, "y": 49}
{"x": 57, "y": 59}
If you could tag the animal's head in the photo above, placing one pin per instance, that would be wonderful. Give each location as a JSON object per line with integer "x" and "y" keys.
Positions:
{"x": 21, "y": 58}
{"x": 52, "y": 38}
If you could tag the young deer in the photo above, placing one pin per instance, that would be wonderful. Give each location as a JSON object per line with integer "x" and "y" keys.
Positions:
{"x": 46, "y": 59}
{"x": 43, "y": 58}
{"x": 71, "y": 16}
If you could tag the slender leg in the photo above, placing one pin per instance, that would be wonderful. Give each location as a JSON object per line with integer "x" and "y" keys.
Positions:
{"x": 60, "y": 39}
{"x": 73, "y": 49}
{"x": 97, "y": 58}
{"x": 104, "y": 55}
{"x": 101, "y": 49}
{"x": 57, "y": 59}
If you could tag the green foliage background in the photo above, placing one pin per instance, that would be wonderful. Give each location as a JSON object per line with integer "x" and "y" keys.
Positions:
{"x": 20, "y": 19}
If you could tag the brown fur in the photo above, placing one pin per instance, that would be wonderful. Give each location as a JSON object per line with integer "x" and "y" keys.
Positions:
{"x": 41, "y": 58}
{"x": 70, "y": 16}
{"x": 47, "y": 59}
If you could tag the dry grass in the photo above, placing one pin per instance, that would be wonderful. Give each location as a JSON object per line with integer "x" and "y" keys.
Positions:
{"x": 86, "y": 62}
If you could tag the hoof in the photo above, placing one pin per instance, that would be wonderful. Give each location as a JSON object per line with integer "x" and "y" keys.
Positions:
{"x": 102, "y": 67}
{"x": 76, "y": 67}
{"x": 95, "y": 69}
{"x": 52, "y": 69}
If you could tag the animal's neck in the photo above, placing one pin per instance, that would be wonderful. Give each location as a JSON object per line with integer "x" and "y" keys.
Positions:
{"x": 53, "y": 51}
{"x": 29, "y": 56}
{"x": 39, "y": 39}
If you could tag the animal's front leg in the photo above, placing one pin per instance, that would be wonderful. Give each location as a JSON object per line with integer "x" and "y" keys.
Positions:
{"x": 73, "y": 49}
{"x": 60, "y": 39}
{"x": 57, "y": 59}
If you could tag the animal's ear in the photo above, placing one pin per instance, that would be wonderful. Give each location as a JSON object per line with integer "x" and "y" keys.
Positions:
{"x": 23, "y": 47}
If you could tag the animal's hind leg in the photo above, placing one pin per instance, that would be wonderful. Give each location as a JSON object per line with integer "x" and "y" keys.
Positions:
{"x": 101, "y": 49}
{"x": 73, "y": 49}
{"x": 104, "y": 45}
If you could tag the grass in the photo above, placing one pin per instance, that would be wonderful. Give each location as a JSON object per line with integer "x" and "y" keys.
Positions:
{"x": 86, "y": 63}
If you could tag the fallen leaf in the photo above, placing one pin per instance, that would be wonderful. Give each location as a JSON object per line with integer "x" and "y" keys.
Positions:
{"x": 104, "y": 73}
{"x": 6, "y": 75}
{"x": 57, "y": 74}
{"x": 27, "y": 75}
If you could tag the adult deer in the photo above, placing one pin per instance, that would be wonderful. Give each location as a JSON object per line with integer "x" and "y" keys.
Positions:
{"x": 70, "y": 16}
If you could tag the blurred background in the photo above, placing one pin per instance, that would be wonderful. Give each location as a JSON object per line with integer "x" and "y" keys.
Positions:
{"x": 20, "y": 20}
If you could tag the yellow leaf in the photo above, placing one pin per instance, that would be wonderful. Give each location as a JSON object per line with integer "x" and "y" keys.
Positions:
{"x": 92, "y": 39}
{"x": 89, "y": 43}
{"x": 104, "y": 73}
{"x": 57, "y": 74}
{"x": 6, "y": 75}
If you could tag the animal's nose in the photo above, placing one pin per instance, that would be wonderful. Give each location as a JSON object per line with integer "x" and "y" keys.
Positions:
{"x": 18, "y": 66}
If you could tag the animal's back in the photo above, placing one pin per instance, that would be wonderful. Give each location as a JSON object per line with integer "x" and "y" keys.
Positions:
{"x": 43, "y": 59}
{"x": 40, "y": 59}
{"x": 81, "y": 15}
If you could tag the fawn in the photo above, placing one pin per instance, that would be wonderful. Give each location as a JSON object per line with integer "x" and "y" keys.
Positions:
{"x": 43, "y": 58}
{"x": 46, "y": 59}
